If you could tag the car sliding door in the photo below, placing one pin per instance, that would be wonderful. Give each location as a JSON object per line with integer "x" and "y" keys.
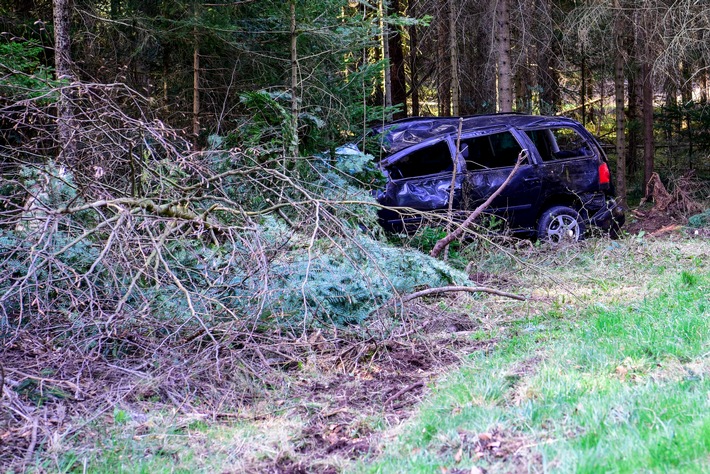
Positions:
{"x": 419, "y": 178}
{"x": 570, "y": 160}
{"x": 489, "y": 159}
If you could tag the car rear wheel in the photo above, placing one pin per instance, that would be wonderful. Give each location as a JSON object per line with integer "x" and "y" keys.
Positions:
{"x": 560, "y": 224}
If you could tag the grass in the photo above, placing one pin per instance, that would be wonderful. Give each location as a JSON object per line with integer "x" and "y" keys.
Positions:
{"x": 599, "y": 383}
{"x": 165, "y": 443}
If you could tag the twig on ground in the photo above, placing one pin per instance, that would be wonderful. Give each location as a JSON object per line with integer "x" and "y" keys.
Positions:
{"x": 71, "y": 385}
{"x": 33, "y": 444}
{"x": 403, "y": 391}
{"x": 467, "y": 289}
{"x": 666, "y": 229}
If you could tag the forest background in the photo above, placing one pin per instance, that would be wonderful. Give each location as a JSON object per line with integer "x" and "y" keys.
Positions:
{"x": 173, "y": 207}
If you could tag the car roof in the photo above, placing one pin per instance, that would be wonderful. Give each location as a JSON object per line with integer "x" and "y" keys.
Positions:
{"x": 401, "y": 134}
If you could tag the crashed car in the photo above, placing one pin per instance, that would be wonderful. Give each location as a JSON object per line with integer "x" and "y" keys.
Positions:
{"x": 561, "y": 189}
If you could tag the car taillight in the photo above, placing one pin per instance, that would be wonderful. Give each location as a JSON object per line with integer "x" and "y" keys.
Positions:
{"x": 604, "y": 174}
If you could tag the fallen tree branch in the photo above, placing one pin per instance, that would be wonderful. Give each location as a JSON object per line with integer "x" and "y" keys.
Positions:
{"x": 452, "y": 188}
{"x": 466, "y": 289}
{"x": 666, "y": 229}
{"x": 442, "y": 243}
{"x": 403, "y": 391}
{"x": 574, "y": 109}
{"x": 71, "y": 385}
{"x": 33, "y": 444}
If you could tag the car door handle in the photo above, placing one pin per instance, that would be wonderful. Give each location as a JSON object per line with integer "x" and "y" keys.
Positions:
{"x": 531, "y": 180}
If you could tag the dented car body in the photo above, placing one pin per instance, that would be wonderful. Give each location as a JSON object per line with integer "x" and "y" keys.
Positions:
{"x": 561, "y": 188}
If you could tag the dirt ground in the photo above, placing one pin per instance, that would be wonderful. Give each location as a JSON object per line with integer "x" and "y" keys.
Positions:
{"x": 47, "y": 390}
{"x": 376, "y": 380}
{"x": 660, "y": 224}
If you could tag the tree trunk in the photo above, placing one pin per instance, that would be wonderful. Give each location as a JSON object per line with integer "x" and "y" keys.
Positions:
{"x": 478, "y": 63}
{"x": 583, "y": 90}
{"x": 601, "y": 115}
{"x": 195, "y": 94}
{"x": 686, "y": 90}
{"x": 397, "y": 75}
{"x": 549, "y": 84}
{"x": 703, "y": 68}
{"x": 619, "y": 106}
{"x": 547, "y": 55}
{"x": 195, "y": 82}
{"x": 670, "y": 89}
{"x": 293, "y": 133}
{"x": 443, "y": 61}
{"x": 523, "y": 84}
{"x": 454, "y": 54}
{"x": 384, "y": 33}
{"x": 634, "y": 119}
{"x": 62, "y": 39}
{"x": 62, "y": 64}
{"x": 166, "y": 74}
{"x": 648, "y": 144}
{"x": 413, "y": 59}
{"x": 686, "y": 83}
{"x": 505, "y": 91}
{"x": 620, "y": 128}
{"x": 590, "y": 95}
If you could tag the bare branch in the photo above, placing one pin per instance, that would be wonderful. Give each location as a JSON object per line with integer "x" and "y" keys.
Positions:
{"x": 465, "y": 289}
{"x": 458, "y": 232}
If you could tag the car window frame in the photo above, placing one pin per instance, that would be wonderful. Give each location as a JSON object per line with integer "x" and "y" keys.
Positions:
{"x": 522, "y": 139}
{"x": 394, "y": 158}
{"x": 584, "y": 134}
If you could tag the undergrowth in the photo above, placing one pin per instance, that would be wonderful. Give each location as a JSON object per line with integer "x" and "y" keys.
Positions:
{"x": 599, "y": 372}
{"x": 181, "y": 268}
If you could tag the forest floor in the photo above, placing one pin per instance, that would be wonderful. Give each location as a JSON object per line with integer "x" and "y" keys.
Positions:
{"x": 353, "y": 407}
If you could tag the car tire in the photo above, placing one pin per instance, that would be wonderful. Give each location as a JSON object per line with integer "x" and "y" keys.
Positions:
{"x": 560, "y": 224}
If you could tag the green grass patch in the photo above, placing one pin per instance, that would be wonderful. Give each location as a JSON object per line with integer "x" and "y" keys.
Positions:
{"x": 617, "y": 388}
{"x": 167, "y": 443}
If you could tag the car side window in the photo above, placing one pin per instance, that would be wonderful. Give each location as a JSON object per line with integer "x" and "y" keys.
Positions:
{"x": 559, "y": 143}
{"x": 498, "y": 150}
{"x": 422, "y": 162}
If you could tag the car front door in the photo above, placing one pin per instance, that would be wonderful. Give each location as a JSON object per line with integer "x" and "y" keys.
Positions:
{"x": 489, "y": 159}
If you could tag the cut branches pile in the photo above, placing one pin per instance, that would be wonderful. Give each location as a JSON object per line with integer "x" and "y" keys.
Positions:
{"x": 682, "y": 200}
{"x": 143, "y": 259}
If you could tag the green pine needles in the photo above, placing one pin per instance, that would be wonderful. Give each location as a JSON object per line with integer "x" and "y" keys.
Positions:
{"x": 343, "y": 284}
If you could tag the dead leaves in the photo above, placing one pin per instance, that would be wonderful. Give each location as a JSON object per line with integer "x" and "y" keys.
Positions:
{"x": 458, "y": 456}
{"x": 490, "y": 448}
{"x": 630, "y": 369}
{"x": 621, "y": 372}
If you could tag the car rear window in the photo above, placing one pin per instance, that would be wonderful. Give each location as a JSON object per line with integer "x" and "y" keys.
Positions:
{"x": 559, "y": 143}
